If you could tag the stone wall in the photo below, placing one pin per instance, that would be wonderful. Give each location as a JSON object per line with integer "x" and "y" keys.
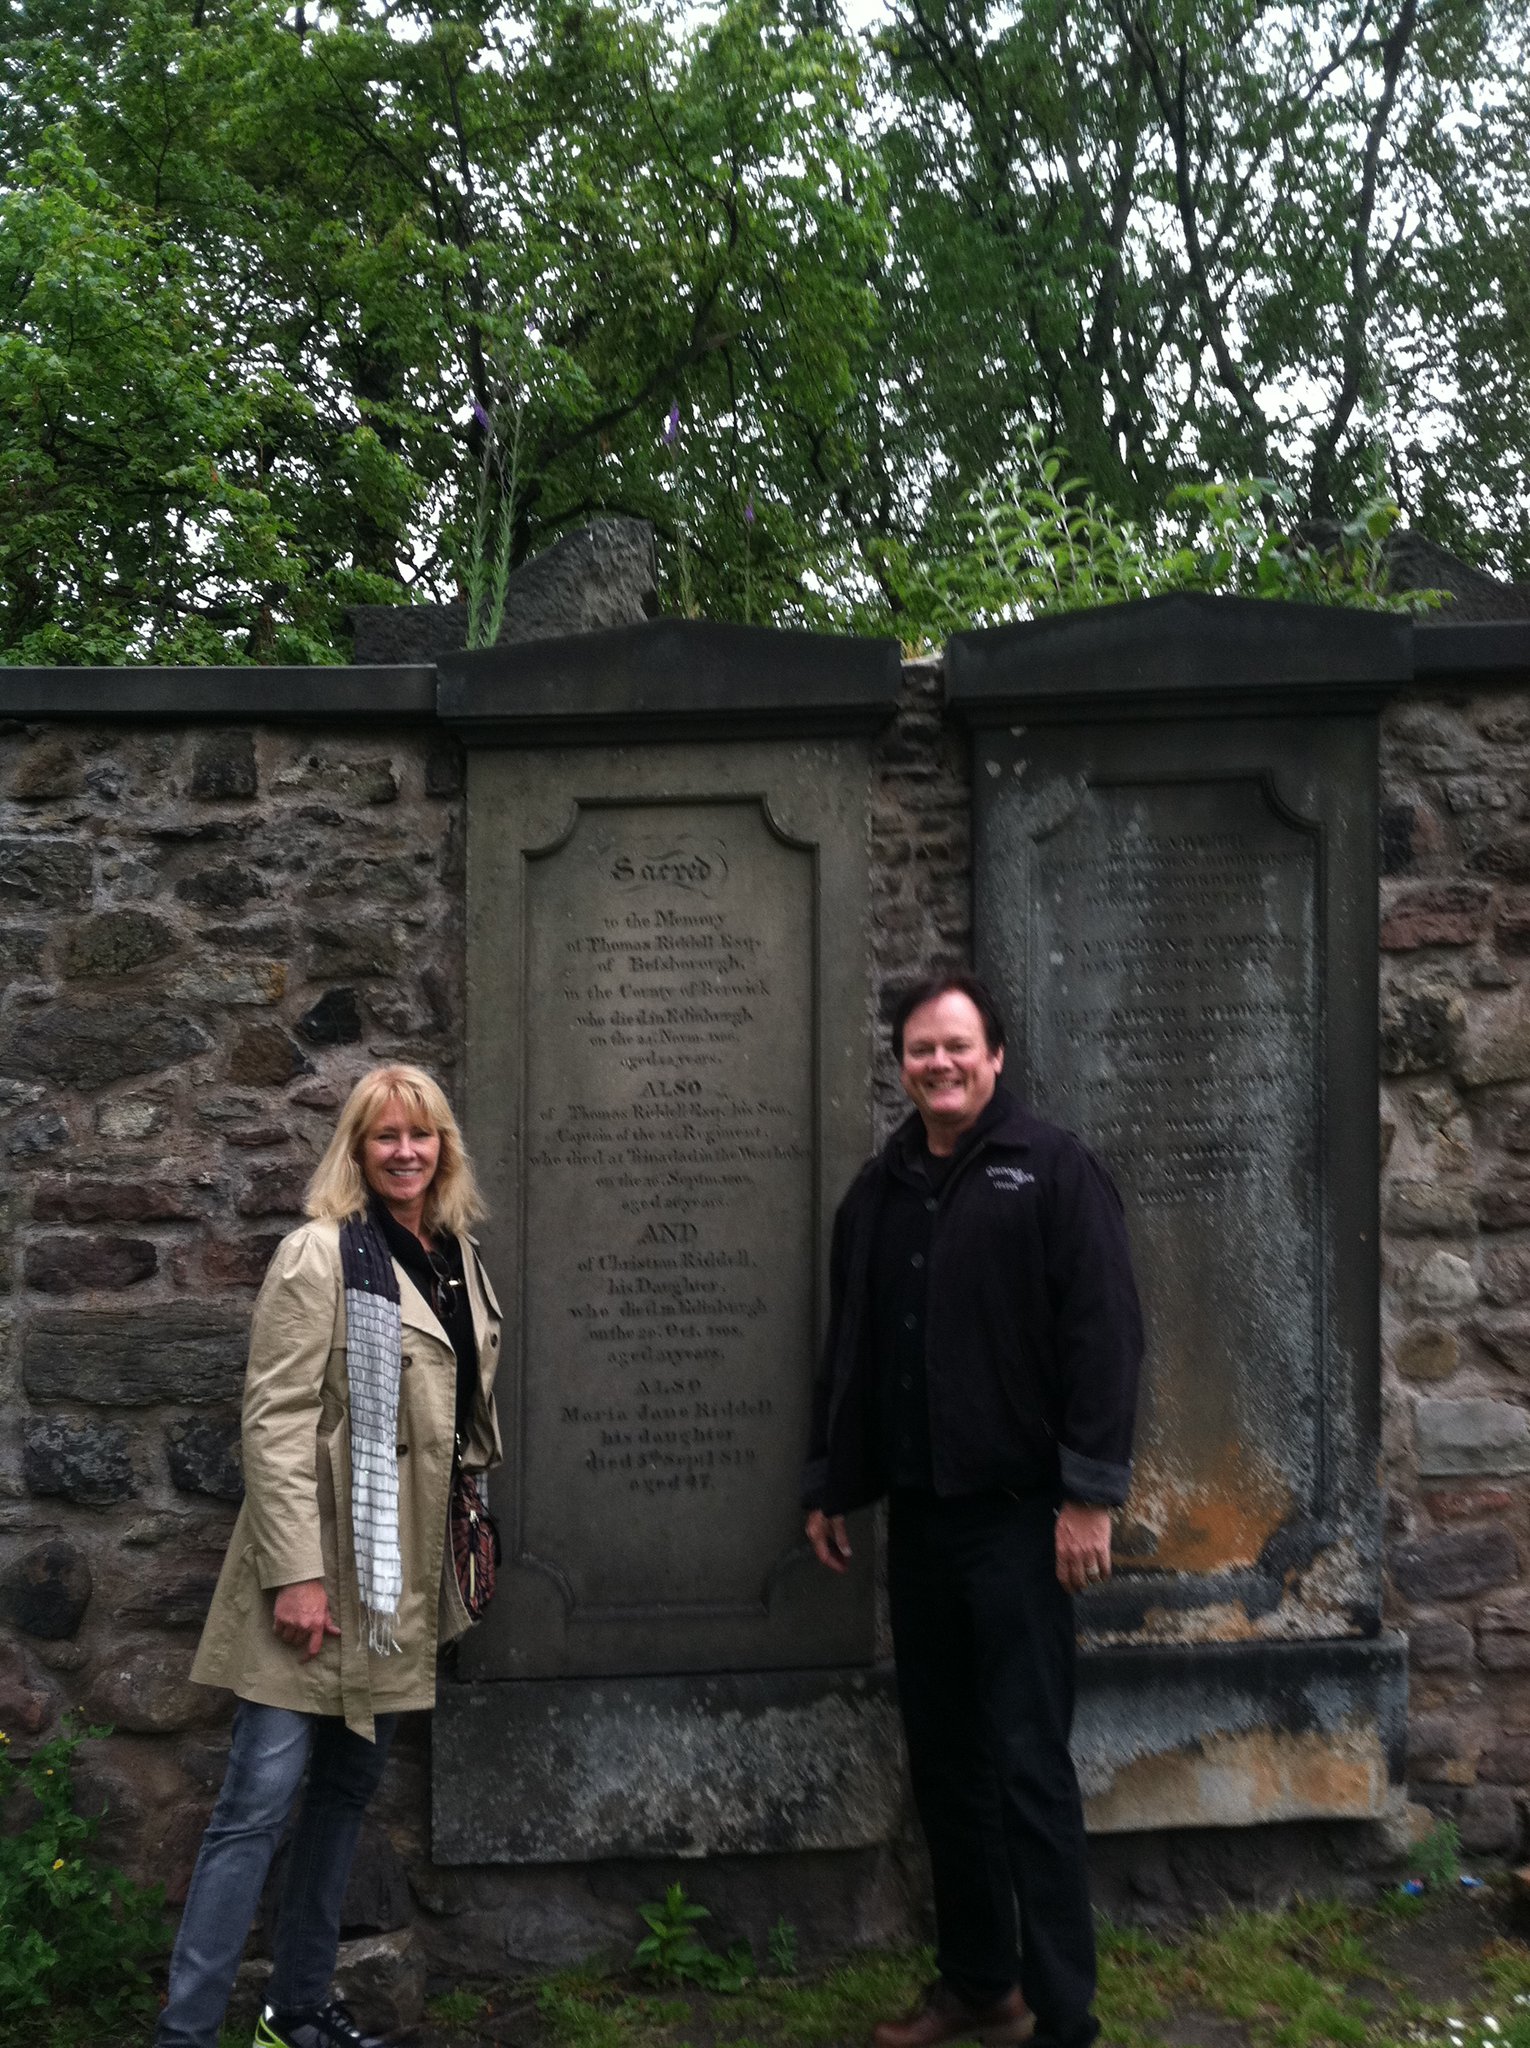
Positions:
{"x": 207, "y": 930}
{"x": 205, "y": 935}
{"x": 1455, "y": 936}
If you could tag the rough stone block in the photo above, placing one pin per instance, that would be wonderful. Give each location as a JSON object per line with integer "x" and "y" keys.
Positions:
{"x": 1488, "y": 1819}
{"x": 116, "y": 942}
{"x": 1494, "y": 1046}
{"x": 72, "y": 1198}
{"x": 1443, "y": 914}
{"x": 223, "y": 767}
{"x": 1444, "y": 1281}
{"x": 82, "y": 1045}
{"x": 21, "y": 951}
{"x": 1418, "y": 1029}
{"x": 32, "y": 1137}
{"x": 239, "y": 1262}
{"x": 1440, "y": 1646}
{"x": 204, "y": 1456}
{"x": 1506, "y": 1276}
{"x": 1504, "y": 858}
{"x": 361, "y": 947}
{"x": 174, "y": 1597}
{"x": 1504, "y": 1205}
{"x": 605, "y": 574}
{"x": 1416, "y": 1208}
{"x": 221, "y": 885}
{"x": 1468, "y": 1503}
{"x": 143, "y": 1689}
{"x": 1506, "y": 1339}
{"x": 44, "y": 874}
{"x": 1506, "y": 1762}
{"x": 355, "y": 781}
{"x": 69, "y": 1265}
{"x": 179, "y": 1351}
{"x": 131, "y": 1118}
{"x": 335, "y": 1019}
{"x": 382, "y": 1978}
{"x": 231, "y": 981}
{"x": 264, "y": 1055}
{"x": 86, "y": 1462}
{"x": 1455, "y": 1564}
{"x": 28, "y": 1698}
{"x": 1427, "y": 1353}
{"x": 276, "y": 1190}
{"x": 46, "y": 773}
{"x": 1471, "y": 1435}
{"x": 46, "y": 1591}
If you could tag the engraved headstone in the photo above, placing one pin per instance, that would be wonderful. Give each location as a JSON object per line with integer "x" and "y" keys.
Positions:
{"x": 1174, "y": 891}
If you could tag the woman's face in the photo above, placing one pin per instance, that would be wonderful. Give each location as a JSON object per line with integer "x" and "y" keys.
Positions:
{"x": 399, "y": 1157}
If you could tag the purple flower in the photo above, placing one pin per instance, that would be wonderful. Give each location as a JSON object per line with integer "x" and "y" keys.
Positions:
{"x": 749, "y": 510}
{"x": 672, "y": 426}
{"x": 482, "y": 417}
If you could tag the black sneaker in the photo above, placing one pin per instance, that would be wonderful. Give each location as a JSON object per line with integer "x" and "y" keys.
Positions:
{"x": 322, "y": 2026}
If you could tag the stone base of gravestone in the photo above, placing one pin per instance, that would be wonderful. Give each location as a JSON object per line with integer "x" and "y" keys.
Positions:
{"x": 605, "y": 574}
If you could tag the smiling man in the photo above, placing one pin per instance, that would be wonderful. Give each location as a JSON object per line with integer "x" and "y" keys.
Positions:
{"x": 981, "y": 1370}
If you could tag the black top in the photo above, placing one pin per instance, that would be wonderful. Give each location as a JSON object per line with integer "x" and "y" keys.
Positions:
{"x": 1032, "y": 1330}
{"x": 900, "y": 1277}
{"x": 439, "y": 1276}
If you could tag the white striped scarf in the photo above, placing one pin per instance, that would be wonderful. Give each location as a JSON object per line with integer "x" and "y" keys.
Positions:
{"x": 374, "y": 1342}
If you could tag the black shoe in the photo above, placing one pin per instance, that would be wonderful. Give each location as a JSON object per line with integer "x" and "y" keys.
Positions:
{"x": 321, "y": 2026}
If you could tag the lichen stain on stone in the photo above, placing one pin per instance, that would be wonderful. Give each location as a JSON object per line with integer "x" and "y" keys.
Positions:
{"x": 1240, "y": 1779}
{"x": 1217, "y": 1520}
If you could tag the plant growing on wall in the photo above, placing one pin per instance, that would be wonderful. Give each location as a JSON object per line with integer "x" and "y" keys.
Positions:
{"x": 1037, "y": 540}
{"x": 78, "y": 1934}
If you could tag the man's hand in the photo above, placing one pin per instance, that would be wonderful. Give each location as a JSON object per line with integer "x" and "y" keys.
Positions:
{"x": 831, "y": 1545}
{"x": 302, "y": 1615}
{"x": 1083, "y": 1545}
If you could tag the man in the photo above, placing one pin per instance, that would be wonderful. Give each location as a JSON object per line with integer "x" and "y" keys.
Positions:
{"x": 981, "y": 1368}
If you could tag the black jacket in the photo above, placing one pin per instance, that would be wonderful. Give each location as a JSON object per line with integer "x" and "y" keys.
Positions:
{"x": 1033, "y": 1330}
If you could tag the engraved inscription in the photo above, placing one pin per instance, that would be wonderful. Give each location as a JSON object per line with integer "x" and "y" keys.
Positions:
{"x": 1173, "y": 1022}
{"x": 669, "y": 1204}
{"x": 1179, "y": 960}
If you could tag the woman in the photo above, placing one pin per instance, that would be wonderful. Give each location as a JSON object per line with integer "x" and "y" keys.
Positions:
{"x": 372, "y": 1358}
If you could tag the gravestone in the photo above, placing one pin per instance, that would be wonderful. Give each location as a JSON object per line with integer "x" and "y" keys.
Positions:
{"x": 668, "y": 1088}
{"x": 1175, "y": 890}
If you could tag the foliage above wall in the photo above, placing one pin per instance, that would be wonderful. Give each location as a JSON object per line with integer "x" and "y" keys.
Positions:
{"x": 276, "y": 283}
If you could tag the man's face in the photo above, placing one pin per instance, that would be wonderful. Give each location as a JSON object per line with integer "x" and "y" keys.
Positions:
{"x": 948, "y": 1073}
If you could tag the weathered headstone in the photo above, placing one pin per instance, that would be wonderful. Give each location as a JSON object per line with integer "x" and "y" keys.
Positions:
{"x": 668, "y": 1000}
{"x": 1175, "y": 888}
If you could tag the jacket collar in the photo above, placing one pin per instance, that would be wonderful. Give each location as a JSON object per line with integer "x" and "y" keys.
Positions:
{"x": 1004, "y": 1121}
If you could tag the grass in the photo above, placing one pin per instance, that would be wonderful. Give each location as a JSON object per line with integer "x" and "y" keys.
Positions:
{"x": 1318, "y": 1975}
{"x": 1433, "y": 1972}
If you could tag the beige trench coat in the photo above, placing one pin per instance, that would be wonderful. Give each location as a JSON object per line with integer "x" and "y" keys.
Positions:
{"x": 295, "y": 1523}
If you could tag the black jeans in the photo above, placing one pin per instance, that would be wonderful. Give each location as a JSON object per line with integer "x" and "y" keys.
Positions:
{"x": 983, "y": 1634}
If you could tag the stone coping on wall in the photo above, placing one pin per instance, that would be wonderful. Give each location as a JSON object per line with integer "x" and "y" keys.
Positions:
{"x": 1233, "y": 655}
{"x": 140, "y": 696}
{"x": 682, "y": 679}
{"x": 677, "y": 676}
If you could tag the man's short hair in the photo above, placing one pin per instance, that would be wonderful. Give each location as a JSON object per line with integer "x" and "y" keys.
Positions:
{"x": 936, "y": 985}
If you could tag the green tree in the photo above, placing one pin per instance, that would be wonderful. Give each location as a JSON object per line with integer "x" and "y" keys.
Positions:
{"x": 1212, "y": 239}
{"x": 401, "y": 224}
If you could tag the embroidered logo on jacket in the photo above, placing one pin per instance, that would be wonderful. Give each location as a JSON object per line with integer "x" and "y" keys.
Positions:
{"x": 1011, "y": 1178}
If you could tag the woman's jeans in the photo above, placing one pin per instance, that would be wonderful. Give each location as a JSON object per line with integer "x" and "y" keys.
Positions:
{"x": 270, "y": 1749}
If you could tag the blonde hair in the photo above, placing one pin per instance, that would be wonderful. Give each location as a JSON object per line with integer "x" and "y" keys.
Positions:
{"x": 339, "y": 1188}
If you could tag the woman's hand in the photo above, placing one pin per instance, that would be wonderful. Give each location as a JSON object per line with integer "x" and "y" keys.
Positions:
{"x": 302, "y": 1616}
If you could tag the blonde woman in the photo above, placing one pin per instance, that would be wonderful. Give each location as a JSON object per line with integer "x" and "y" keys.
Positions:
{"x": 372, "y": 1357}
